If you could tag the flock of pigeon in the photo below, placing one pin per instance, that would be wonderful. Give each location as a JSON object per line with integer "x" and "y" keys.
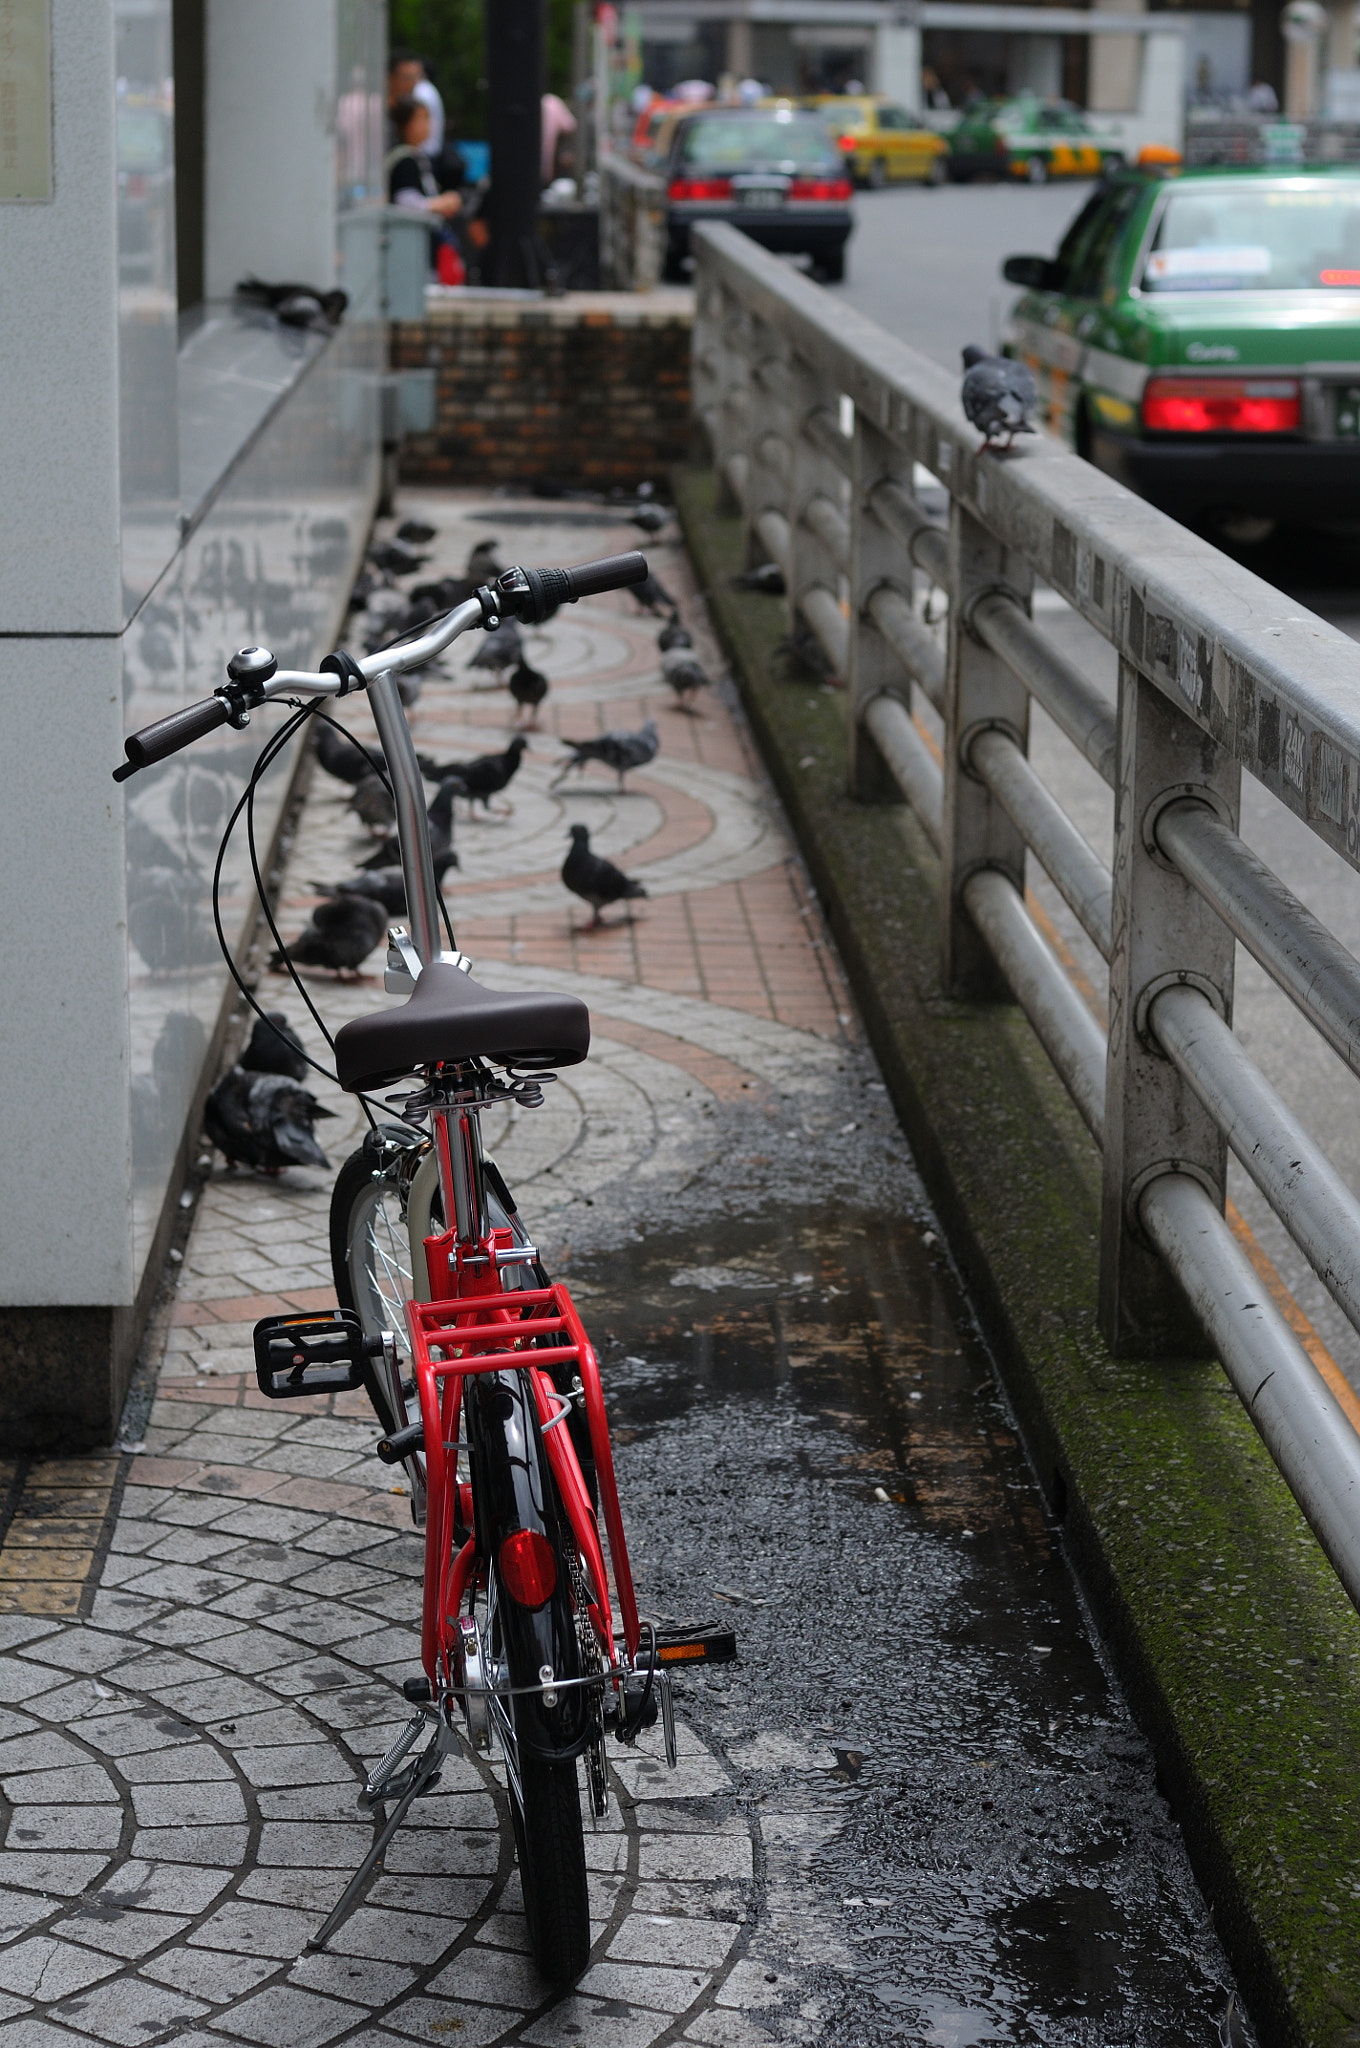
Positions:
{"x": 259, "y": 1114}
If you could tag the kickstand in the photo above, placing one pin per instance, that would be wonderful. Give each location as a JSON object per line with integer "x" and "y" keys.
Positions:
{"x": 421, "y": 1773}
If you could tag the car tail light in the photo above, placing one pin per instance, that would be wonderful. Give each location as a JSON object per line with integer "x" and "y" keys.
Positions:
{"x": 820, "y": 188}
{"x": 1221, "y": 405}
{"x": 847, "y": 143}
{"x": 528, "y": 1568}
{"x": 701, "y": 188}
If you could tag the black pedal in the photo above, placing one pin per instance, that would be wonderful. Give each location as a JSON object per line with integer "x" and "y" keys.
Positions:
{"x": 691, "y": 1646}
{"x": 321, "y": 1354}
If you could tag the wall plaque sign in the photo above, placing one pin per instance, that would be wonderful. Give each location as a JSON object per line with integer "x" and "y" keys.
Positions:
{"x": 25, "y": 100}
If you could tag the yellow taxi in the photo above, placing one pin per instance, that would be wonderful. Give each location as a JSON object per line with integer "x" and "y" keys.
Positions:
{"x": 882, "y": 141}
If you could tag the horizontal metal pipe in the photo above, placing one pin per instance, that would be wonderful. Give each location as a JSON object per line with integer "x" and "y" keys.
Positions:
{"x": 1076, "y": 872}
{"x": 823, "y": 613}
{"x": 1310, "y": 963}
{"x": 1297, "y": 1179}
{"x": 914, "y": 767}
{"x": 772, "y": 530}
{"x": 822, "y": 428}
{"x": 1064, "y": 692}
{"x": 913, "y": 644}
{"x": 922, "y": 537}
{"x": 737, "y": 469}
{"x": 1064, "y": 1026}
{"x": 1299, "y": 1419}
{"x": 831, "y": 527}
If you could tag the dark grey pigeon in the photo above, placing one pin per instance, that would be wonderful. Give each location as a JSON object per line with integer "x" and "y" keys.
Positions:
{"x": 767, "y": 580}
{"x": 340, "y": 757}
{"x": 653, "y": 596}
{"x": 484, "y": 565}
{"x": 341, "y": 935}
{"x": 528, "y": 687}
{"x": 596, "y": 881}
{"x": 385, "y": 885}
{"x": 263, "y": 1120}
{"x": 275, "y": 1048}
{"x": 500, "y": 650}
{"x": 617, "y": 750}
{"x": 673, "y": 634}
{"x": 651, "y": 518}
{"x": 396, "y": 558}
{"x": 372, "y": 803}
{"x": 685, "y": 674}
{"x": 440, "y": 815}
{"x": 415, "y": 532}
{"x": 998, "y": 395}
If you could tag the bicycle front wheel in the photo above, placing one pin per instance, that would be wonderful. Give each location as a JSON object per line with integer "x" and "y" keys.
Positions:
{"x": 550, "y": 1844}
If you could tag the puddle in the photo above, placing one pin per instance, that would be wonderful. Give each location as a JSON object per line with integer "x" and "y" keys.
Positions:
{"x": 813, "y": 1450}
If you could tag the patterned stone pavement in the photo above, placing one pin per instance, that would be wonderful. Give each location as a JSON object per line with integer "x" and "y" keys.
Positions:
{"x": 202, "y": 1639}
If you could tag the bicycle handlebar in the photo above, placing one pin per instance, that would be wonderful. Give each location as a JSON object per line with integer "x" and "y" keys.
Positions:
{"x": 530, "y": 595}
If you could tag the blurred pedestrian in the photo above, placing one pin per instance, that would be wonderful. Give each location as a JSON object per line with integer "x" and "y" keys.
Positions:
{"x": 404, "y": 72}
{"x": 411, "y": 182}
{"x": 558, "y": 122}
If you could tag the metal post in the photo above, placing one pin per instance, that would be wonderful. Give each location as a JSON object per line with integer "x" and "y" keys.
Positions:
{"x": 514, "y": 67}
{"x": 877, "y": 560}
{"x": 1163, "y": 934}
{"x": 413, "y": 829}
{"x": 981, "y": 691}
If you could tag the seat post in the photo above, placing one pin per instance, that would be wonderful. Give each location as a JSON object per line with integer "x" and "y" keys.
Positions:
{"x": 458, "y": 1148}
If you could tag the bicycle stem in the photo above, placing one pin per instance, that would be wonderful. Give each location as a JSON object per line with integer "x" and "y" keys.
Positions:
{"x": 413, "y": 831}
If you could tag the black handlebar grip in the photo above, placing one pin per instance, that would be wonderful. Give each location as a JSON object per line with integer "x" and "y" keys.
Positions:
{"x": 615, "y": 572}
{"x": 168, "y": 735}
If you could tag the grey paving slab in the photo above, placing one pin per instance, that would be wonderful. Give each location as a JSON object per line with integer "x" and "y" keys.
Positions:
{"x": 43, "y": 1967}
{"x": 576, "y": 2020}
{"x": 131, "y": 2011}
{"x": 253, "y": 1928}
{"x": 216, "y": 1978}
{"x": 439, "y": 2019}
{"x": 120, "y": 1932}
{"x": 286, "y": 2013}
{"x": 208, "y": 1846}
{"x": 362, "y": 1978}
{"x": 67, "y": 1827}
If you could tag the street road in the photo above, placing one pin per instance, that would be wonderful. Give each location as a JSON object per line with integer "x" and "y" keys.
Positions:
{"x": 927, "y": 266}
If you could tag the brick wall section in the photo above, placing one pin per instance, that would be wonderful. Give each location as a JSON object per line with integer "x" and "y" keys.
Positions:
{"x": 591, "y": 388}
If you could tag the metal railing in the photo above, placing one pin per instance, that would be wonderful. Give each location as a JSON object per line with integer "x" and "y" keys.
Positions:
{"x": 819, "y": 422}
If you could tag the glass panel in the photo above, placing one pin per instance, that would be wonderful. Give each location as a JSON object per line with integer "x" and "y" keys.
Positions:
{"x": 723, "y": 139}
{"x": 1297, "y": 235}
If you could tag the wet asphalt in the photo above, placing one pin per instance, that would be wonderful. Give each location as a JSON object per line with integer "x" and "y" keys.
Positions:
{"x": 962, "y": 1840}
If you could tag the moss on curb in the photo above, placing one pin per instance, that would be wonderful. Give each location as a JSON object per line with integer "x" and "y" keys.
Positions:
{"x": 1238, "y": 1650}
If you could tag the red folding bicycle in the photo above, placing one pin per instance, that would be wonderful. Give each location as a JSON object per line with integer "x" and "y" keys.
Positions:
{"x": 483, "y": 1379}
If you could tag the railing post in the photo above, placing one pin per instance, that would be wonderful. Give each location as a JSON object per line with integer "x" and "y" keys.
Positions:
{"x": 811, "y": 564}
{"x": 1162, "y": 932}
{"x": 980, "y": 691}
{"x": 727, "y": 419}
{"x": 876, "y": 558}
{"x": 767, "y": 432}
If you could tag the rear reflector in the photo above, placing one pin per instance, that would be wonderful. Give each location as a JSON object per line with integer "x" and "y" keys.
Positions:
{"x": 826, "y": 189}
{"x": 528, "y": 1568}
{"x": 1221, "y": 405}
{"x": 700, "y": 188}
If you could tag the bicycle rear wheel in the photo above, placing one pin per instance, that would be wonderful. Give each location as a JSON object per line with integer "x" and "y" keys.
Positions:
{"x": 371, "y": 1258}
{"x": 550, "y": 1846}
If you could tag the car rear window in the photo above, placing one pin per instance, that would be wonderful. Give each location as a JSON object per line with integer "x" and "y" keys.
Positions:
{"x": 1294, "y": 236}
{"x": 729, "y": 139}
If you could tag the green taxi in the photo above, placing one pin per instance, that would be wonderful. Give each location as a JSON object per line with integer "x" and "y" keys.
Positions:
{"x": 1030, "y": 138}
{"x": 1197, "y": 335}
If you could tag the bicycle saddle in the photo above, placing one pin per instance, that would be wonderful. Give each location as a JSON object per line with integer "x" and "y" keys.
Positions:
{"x": 452, "y": 1017}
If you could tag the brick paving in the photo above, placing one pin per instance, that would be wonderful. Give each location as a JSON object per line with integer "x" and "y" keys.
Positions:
{"x": 202, "y": 1641}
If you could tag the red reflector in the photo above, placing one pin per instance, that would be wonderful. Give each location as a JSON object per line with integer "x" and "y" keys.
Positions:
{"x": 701, "y": 188}
{"x": 1350, "y": 279}
{"x": 820, "y": 188}
{"x": 528, "y": 1568}
{"x": 1221, "y": 405}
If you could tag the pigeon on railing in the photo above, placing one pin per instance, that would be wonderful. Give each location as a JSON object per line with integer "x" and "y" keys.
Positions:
{"x": 264, "y": 1121}
{"x": 275, "y": 1048}
{"x": 617, "y": 750}
{"x": 998, "y": 395}
{"x": 596, "y": 881}
{"x": 340, "y": 935}
{"x": 767, "y": 580}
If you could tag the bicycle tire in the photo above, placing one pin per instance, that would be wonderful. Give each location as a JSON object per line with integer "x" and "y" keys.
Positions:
{"x": 370, "y": 1259}
{"x": 551, "y": 1849}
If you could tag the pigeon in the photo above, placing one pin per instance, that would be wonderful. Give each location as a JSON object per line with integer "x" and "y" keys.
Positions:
{"x": 484, "y": 564}
{"x": 766, "y": 581}
{"x": 596, "y": 881}
{"x": 385, "y": 885}
{"x": 275, "y": 1048}
{"x": 650, "y": 518}
{"x": 653, "y": 595}
{"x": 683, "y": 672}
{"x": 396, "y": 558}
{"x": 482, "y": 778}
{"x": 437, "y": 598}
{"x": 500, "y": 650}
{"x": 528, "y": 687}
{"x": 254, "y": 291}
{"x": 340, "y": 757}
{"x": 342, "y": 933}
{"x": 673, "y": 634}
{"x": 998, "y": 395}
{"x": 416, "y": 532}
{"x": 365, "y": 583}
{"x": 372, "y": 800}
{"x": 801, "y": 653}
{"x": 263, "y": 1120}
{"x": 440, "y": 815}
{"x": 617, "y": 750}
